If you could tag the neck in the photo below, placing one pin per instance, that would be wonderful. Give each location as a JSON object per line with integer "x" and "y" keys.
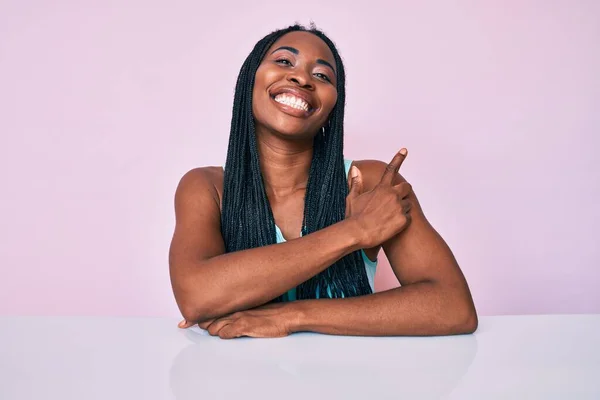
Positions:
{"x": 285, "y": 164}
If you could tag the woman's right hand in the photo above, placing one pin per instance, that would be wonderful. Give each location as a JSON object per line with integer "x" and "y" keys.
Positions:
{"x": 382, "y": 212}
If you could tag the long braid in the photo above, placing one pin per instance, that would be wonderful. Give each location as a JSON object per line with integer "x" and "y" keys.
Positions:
{"x": 247, "y": 219}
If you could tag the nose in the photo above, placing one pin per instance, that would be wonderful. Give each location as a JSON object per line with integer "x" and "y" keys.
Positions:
{"x": 300, "y": 78}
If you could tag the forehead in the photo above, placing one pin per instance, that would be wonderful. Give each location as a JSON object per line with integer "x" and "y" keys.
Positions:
{"x": 307, "y": 44}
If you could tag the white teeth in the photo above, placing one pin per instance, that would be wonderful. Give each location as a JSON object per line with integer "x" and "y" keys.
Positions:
{"x": 292, "y": 101}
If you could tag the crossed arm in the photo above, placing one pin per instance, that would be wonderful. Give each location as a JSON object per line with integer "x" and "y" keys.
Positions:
{"x": 434, "y": 298}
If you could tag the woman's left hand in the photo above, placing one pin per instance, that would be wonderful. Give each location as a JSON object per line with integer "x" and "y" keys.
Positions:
{"x": 269, "y": 321}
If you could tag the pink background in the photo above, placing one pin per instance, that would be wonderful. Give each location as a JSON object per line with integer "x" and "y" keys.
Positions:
{"x": 105, "y": 104}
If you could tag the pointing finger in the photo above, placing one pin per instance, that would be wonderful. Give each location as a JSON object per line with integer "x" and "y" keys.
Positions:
{"x": 392, "y": 168}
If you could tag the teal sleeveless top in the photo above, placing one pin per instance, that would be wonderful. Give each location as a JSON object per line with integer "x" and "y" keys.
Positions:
{"x": 370, "y": 266}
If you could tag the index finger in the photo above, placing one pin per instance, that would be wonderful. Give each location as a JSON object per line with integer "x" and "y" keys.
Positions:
{"x": 392, "y": 168}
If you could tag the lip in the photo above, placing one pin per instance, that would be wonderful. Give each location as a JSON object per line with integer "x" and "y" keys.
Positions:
{"x": 297, "y": 93}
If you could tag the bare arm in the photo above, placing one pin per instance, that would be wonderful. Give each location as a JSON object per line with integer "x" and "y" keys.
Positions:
{"x": 413, "y": 310}
{"x": 434, "y": 298}
{"x": 208, "y": 283}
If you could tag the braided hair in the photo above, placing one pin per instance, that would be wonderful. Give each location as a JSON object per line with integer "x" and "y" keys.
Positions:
{"x": 247, "y": 219}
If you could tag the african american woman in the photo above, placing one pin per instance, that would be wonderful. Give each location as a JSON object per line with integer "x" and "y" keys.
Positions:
{"x": 285, "y": 237}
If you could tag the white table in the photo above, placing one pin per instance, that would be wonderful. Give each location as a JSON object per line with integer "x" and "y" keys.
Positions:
{"x": 512, "y": 357}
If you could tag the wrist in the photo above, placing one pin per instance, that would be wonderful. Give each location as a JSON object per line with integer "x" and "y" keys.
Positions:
{"x": 354, "y": 233}
{"x": 299, "y": 318}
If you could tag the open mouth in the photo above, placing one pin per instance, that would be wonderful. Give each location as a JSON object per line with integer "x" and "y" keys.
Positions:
{"x": 293, "y": 101}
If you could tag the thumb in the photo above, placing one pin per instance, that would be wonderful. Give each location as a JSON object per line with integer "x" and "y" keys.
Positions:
{"x": 356, "y": 182}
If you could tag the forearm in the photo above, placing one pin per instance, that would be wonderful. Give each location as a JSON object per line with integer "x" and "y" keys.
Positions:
{"x": 245, "y": 279}
{"x": 420, "y": 309}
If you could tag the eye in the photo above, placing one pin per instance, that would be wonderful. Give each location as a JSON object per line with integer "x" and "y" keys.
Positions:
{"x": 283, "y": 61}
{"x": 322, "y": 76}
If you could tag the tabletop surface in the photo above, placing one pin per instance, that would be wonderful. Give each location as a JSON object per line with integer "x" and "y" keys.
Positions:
{"x": 509, "y": 357}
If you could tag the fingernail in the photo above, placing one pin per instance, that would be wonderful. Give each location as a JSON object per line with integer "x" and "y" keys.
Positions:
{"x": 353, "y": 172}
{"x": 403, "y": 152}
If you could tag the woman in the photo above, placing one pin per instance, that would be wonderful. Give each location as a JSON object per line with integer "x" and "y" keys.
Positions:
{"x": 285, "y": 237}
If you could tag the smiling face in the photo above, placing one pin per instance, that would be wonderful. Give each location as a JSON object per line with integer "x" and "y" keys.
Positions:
{"x": 295, "y": 86}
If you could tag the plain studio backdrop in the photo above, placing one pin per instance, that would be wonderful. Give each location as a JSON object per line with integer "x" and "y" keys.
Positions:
{"x": 104, "y": 105}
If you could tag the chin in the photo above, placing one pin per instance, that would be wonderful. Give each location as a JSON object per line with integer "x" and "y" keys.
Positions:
{"x": 287, "y": 127}
{"x": 293, "y": 132}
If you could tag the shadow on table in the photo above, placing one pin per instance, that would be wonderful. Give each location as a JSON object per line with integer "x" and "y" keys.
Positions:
{"x": 311, "y": 366}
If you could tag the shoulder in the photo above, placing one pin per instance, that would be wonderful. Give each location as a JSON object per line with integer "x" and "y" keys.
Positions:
{"x": 200, "y": 184}
{"x": 371, "y": 172}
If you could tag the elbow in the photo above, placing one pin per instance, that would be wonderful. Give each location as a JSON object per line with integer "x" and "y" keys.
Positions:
{"x": 195, "y": 308}
{"x": 465, "y": 320}
{"x": 455, "y": 315}
{"x": 201, "y": 309}
{"x": 191, "y": 313}
{"x": 459, "y": 313}
{"x": 190, "y": 305}
{"x": 197, "y": 313}
{"x": 470, "y": 323}
{"x": 197, "y": 303}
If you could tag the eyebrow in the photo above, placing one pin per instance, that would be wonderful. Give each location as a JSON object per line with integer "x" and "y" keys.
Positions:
{"x": 295, "y": 51}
